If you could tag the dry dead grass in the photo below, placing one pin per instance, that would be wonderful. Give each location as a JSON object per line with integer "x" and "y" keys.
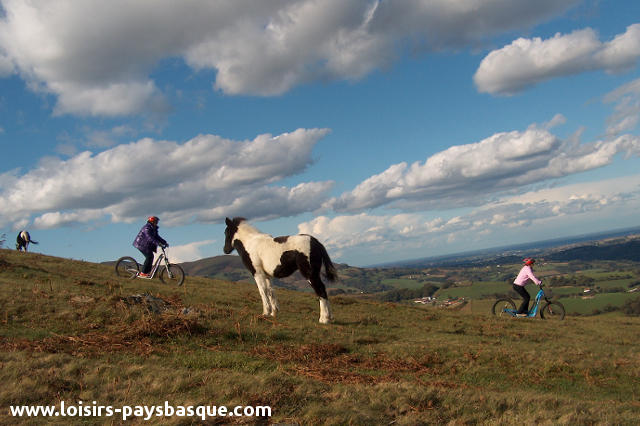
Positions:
{"x": 333, "y": 363}
{"x": 137, "y": 337}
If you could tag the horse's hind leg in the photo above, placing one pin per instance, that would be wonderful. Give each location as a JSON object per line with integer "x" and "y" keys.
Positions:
{"x": 321, "y": 291}
{"x": 312, "y": 274}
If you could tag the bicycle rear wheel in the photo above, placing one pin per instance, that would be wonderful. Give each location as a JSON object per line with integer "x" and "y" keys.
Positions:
{"x": 127, "y": 267}
{"x": 502, "y": 307}
{"x": 553, "y": 311}
{"x": 174, "y": 276}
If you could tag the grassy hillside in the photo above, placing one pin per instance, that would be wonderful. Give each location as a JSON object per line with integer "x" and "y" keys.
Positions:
{"x": 69, "y": 331}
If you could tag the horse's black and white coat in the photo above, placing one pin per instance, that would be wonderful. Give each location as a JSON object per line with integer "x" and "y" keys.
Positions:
{"x": 266, "y": 257}
{"x": 23, "y": 240}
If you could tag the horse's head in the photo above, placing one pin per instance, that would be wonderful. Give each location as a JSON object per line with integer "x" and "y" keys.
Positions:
{"x": 230, "y": 232}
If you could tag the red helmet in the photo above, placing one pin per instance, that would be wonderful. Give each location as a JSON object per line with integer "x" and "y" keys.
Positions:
{"x": 529, "y": 261}
{"x": 153, "y": 219}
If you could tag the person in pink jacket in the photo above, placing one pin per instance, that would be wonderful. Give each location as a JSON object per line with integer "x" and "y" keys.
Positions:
{"x": 525, "y": 274}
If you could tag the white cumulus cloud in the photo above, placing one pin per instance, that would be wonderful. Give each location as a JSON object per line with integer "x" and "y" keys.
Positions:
{"x": 6, "y": 67}
{"x": 526, "y": 62}
{"x": 627, "y": 108}
{"x": 471, "y": 174}
{"x": 187, "y": 252}
{"x": 204, "y": 178}
{"x": 97, "y": 57}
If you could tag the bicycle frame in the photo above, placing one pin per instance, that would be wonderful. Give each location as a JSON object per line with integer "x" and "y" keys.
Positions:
{"x": 156, "y": 265}
{"x": 534, "y": 310}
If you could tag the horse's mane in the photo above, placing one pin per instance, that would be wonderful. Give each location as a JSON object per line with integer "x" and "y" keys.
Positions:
{"x": 246, "y": 226}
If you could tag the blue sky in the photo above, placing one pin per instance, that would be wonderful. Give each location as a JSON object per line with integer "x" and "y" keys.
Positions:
{"x": 388, "y": 129}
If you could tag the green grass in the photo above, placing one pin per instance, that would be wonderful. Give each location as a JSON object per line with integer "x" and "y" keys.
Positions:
{"x": 478, "y": 290}
{"x": 598, "y": 302}
{"x": 611, "y": 284}
{"x": 66, "y": 334}
{"x": 402, "y": 283}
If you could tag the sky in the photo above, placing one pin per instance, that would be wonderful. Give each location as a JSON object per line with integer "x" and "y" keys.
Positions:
{"x": 388, "y": 129}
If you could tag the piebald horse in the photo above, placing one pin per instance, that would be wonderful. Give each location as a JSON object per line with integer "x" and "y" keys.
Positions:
{"x": 266, "y": 257}
{"x": 23, "y": 240}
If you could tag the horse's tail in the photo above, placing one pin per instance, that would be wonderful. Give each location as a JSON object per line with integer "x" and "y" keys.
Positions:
{"x": 329, "y": 269}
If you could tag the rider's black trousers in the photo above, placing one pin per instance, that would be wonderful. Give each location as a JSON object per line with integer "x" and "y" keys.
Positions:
{"x": 148, "y": 261}
{"x": 524, "y": 307}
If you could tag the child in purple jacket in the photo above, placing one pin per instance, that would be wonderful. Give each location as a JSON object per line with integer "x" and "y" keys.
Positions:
{"x": 147, "y": 241}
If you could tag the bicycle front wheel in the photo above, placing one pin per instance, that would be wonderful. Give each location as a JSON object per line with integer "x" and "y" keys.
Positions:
{"x": 127, "y": 267}
{"x": 553, "y": 311}
{"x": 503, "y": 308}
{"x": 172, "y": 274}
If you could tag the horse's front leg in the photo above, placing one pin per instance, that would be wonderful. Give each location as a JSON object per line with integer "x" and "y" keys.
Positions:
{"x": 262, "y": 288}
{"x": 271, "y": 298}
{"x": 325, "y": 311}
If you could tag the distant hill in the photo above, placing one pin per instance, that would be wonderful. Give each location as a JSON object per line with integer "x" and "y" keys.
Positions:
{"x": 229, "y": 267}
{"x": 614, "y": 245}
{"x": 628, "y": 250}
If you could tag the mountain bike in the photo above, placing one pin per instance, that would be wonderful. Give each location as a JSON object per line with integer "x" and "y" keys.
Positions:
{"x": 170, "y": 273}
{"x": 552, "y": 310}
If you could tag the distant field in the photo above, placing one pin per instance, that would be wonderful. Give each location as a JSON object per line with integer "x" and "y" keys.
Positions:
{"x": 478, "y": 290}
{"x": 402, "y": 283}
{"x": 601, "y": 275}
{"x": 599, "y": 301}
{"x": 567, "y": 291}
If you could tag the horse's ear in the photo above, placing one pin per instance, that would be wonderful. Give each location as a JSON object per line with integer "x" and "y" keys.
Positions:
{"x": 228, "y": 221}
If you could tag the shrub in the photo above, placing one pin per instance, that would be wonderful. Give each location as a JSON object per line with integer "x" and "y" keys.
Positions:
{"x": 407, "y": 293}
{"x": 632, "y": 307}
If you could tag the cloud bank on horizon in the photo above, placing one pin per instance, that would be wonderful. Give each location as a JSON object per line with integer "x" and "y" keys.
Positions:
{"x": 396, "y": 232}
{"x": 95, "y": 58}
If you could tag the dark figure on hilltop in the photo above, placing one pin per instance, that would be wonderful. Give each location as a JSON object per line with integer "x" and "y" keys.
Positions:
{"x": 23, "y": 240}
